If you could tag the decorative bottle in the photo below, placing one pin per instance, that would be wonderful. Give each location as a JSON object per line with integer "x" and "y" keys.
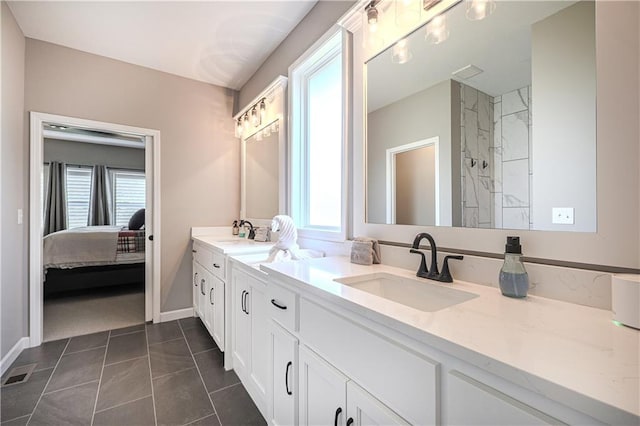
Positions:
{"x": 514, "y": 280}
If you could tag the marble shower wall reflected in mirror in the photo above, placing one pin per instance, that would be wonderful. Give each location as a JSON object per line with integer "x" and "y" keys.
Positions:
{"x": 516, "y": 140}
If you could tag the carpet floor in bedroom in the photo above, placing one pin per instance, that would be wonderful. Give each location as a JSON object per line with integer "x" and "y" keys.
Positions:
{"x": 86, "y": 312}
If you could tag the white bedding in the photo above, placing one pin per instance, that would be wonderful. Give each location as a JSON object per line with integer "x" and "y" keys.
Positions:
{"x": 87, "y": 246}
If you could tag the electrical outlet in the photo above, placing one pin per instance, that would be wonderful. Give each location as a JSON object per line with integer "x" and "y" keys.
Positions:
{"x": 562, "y": 216}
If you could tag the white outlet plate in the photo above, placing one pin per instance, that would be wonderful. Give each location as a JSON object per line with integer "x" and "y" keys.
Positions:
{"x": 562, "y": 216}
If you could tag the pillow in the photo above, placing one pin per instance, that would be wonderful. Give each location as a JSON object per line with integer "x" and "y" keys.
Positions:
{"x": 137, "y": 220}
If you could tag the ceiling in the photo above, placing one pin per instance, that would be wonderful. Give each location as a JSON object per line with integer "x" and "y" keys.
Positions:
{"x": 218, "y": 42}
{"x": 500, "y": 45}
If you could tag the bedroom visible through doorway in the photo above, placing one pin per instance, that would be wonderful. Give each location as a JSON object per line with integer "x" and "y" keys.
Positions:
{"x": 96, "y": 191}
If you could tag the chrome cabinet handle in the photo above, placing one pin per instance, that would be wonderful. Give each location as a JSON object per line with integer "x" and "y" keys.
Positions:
{"x": 215, "y": 265}
{"x": 246, "y": 309}
{"x": 242, "y": 301}
{"x": 195, "y": 279}
{"x": 202, "y": 286}
{"x": 350, "y": 421}
{"x": 210, "y": 295}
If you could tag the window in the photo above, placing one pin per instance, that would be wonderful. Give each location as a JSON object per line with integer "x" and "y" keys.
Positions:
{"x": 318, "y": 178}
{"x": 128, "y": 194}
{"x": 78, "y": 193}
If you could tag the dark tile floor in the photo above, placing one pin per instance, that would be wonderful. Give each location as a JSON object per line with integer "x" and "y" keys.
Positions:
{"x": 159, "y": 374}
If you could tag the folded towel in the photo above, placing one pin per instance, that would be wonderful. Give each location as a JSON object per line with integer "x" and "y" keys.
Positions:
{"x": 365, "y": 251}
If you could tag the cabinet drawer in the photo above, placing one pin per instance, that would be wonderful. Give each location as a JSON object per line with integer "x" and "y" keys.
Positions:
{"x": 401, "y": 379}
{"x": 283, "y": 306}
{"x": 470, "y": 402}
{"x": 217, "y": 265}
{"x": 202, "y": 255}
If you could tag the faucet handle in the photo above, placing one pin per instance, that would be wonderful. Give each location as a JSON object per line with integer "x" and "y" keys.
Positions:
{"x": 445, "y": 276}
{"x": 422, "y": 270}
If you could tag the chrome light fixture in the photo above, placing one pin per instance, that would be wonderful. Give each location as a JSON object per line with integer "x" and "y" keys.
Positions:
{"x": 479, "y": 9}
{"x": 255, "y": 118}
{"x": 372, "y": 17}
{"x": 437, "y": 30}
{"x": 263, "y": 110}
{"x": 239, "y": 128}
{"x": 246, "y": 122}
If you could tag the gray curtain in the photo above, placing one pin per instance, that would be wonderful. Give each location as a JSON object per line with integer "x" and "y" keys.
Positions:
{"x": 55, "y": 208}
{"x": 99, "y": 211}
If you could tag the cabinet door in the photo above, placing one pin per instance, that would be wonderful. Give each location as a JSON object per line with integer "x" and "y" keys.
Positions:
{"x": 364, "y": 409}
{"x": 196, "y": 287}
{"x": 259, "y": 336}
{"x": 217, "y": 319}
{"x": 470, "y": 402}
{"x": 240, "y": 326}
{"x": 283, "y": 356}
{"x": 323, "y": 391}
{"x": 203, "y": 286}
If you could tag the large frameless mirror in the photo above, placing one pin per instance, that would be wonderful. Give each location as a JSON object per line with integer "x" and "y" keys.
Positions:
{"x": 486, "y": 123}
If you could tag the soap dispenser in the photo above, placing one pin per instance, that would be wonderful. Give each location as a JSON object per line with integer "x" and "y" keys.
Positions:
{"x": 236, "y": 228}
{"x": 514, "y": 280}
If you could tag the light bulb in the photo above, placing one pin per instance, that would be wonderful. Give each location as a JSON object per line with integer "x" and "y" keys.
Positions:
{"x": 401, "y": 52}
{"x": 480, "y": 9}
{"x": 437, "y": 30}
{"x": 246, "y": 121}
{"x": 239, "y": 128}
{"x": 255, "y": 118}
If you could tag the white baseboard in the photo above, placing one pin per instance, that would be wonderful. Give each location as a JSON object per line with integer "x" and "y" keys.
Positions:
{"x": 11, "y": 356}
{"x": 175, "y": 315}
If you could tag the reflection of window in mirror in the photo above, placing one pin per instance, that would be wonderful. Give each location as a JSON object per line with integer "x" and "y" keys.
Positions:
{"x": 512, "y": 99}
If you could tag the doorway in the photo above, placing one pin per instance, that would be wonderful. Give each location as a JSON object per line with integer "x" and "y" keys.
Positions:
{"x": 40, "y": 123}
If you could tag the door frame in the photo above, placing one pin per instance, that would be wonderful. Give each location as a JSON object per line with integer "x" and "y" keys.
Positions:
{"x": 152, "y": 213}
{"x": 391, "y": 175}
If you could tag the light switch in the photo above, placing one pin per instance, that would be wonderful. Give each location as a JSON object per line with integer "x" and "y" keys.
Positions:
{"x": 562, "y": 215}
{"x": 20, "y": 217}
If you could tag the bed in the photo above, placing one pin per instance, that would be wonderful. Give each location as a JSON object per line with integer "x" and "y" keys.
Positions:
{"x": 93, "y": 256}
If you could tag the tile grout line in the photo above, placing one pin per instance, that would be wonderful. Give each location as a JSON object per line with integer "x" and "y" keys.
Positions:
{"x": 123, "y": 403}
{"x": 48, "y": 381}
{"x": 84, "y": 350}
{"x": 127, "y": 333}
{"x": 165, "y": 341}
{"x": 225, "y": 388}
{"x": 215, "y": 411}
{"x": 104, "y": 360}
{"x": 70, "y": 387}
{"x": 197, "y": 420}
{"x": 125, "y": 360}
{"x": 173, "y": 372}
{"x": 153, "y": 395}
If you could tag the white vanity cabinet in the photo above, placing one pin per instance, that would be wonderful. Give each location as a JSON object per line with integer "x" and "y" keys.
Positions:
{"x": 208, "y": 290}
{"x": 249, "y": 329}
{"x": 335, "y": 360}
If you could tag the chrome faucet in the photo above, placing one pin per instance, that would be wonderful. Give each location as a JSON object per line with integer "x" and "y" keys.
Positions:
{"x": 252, "y": 232}
{"x": 432, "y": 273}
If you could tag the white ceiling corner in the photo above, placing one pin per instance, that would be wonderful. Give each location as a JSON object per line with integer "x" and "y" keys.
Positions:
{"x": 218, "y": 42}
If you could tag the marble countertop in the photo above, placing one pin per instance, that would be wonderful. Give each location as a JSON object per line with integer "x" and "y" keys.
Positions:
{"x": 559, "y": 346}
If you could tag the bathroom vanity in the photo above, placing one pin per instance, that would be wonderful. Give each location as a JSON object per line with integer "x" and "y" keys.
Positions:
{"x": 345, "y": 347}
{"x": 211, "y": 276}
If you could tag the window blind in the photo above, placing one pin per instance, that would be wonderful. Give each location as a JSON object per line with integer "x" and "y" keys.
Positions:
{"x": 78, "y": 193}
{"x": 128, "y": 194}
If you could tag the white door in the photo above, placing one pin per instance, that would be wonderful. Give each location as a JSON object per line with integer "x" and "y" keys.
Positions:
{"x": 241, "y": 324}
{"x": 323, "y": 391}
{"x": 363, "y": 409}
{"x": 283, "y": 354}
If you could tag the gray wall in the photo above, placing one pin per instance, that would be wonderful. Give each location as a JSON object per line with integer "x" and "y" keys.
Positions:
{"x": 563, "y": 97}
{"x": 319, "y": 19}
{"x": 420, "y": 116}
{"x": 416, "y": 186}
{"x": 89, "y": 154}
{"x": 200, "y": 157}
{"x": 13, "y": 187}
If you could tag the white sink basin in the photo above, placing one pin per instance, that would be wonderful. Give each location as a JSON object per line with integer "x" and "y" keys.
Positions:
{"x": 416, "y": 294}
